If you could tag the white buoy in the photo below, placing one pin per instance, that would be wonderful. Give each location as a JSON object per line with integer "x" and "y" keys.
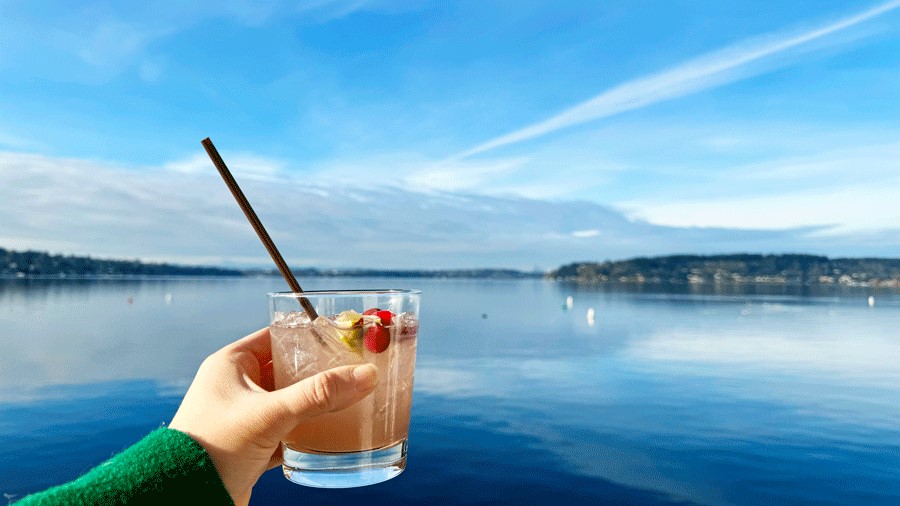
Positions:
{"x": 168, "y": 298}
{"x": 569, "y": 302}
{"x": 590, "y": 316}
{"x": 871, "y": 300}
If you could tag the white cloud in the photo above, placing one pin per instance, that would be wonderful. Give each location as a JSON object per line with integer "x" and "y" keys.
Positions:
{"x": 11, "y": 141}
{"x": 112, "y": 43}
{"x": 861, "y": 207}
{"x": 197, "y": 164}
{"x": 183, "y": 211}
{"x": 456, "y": 176}
{"x": 849, "y": 190}
{"x": 81, "y": 42}
{"x": 323, "y": 10}
{"x": 419, "y": 173}
{"x": 247, "y": 165}
{"x": 714, "y": 69}
{"x": 879, "y": 163}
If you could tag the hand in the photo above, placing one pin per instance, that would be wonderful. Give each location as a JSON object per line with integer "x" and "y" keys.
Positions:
{"x": 233, "y": 412}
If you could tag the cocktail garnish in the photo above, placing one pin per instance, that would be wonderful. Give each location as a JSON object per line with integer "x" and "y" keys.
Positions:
{"x": 385, "y": 316}
{"x": 350, "y": 327}
{"x": 377, "y": 338}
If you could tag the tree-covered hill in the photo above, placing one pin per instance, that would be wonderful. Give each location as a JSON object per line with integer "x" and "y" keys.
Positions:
{"x": 40, "y": 264}
{"x": 36, "y": 263}
{"x": 739, "y": 268}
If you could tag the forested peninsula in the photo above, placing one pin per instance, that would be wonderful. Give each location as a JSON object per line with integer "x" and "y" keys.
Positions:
{"x": 22, "y": 264}
{"x": 790, "y": 269}
{"x": 37, "y": 264}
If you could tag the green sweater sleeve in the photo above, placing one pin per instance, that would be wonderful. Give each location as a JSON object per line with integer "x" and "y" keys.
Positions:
{"x": 164, "y": 466}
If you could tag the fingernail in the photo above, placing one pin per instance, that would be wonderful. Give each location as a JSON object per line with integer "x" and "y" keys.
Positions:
{"x": 366, "y": 376}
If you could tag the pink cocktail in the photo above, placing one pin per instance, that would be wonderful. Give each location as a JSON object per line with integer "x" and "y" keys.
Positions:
{"x": 365, "y": 443}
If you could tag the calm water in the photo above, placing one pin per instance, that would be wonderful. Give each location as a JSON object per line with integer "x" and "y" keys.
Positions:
{"x": 668, "y": 398}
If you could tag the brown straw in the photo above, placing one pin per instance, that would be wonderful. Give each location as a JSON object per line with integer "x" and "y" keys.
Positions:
{"x": 258, "y": 226}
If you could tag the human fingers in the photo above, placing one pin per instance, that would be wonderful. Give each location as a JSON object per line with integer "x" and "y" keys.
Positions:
{"x": 258, "y": 343}
{"x": 332, "y": 390}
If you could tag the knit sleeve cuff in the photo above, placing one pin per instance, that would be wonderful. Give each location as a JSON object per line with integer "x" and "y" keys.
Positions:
{"x": 165, "y": 465}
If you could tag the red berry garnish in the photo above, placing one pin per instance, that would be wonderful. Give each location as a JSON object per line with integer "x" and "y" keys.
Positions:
{"x": 371, "y": 311}
{"x": 377, "y": 338}
{"x": 385, "y": 317}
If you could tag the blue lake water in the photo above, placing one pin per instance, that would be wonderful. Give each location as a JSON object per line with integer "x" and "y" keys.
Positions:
{"x": 687, "y": 396}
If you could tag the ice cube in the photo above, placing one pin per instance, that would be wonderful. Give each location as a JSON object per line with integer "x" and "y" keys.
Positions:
{"x": 409, "y": 324}
{"x": 302, "y": 364}
{"x": 336, "y": 351}
{"x": 291, "y": 319}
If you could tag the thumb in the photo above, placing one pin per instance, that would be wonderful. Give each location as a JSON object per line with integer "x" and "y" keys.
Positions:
{"x": 328, "y": 391}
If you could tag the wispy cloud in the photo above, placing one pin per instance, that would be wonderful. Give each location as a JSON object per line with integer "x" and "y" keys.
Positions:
{"x": 248, "y": 165}
{"x": 849, "y": 189}
{"x": 413, "y": 170}
{"x": 11, "y": 141}
{"x": 714, "y": 69}
{"x": 80, "y": 206}
{"x": 92, "y": 44}
{"x": 841, "y": 210}
{"x": 113, "y": 43}
{"x": 462, "y": 175}
{"x": 324, "y": 10}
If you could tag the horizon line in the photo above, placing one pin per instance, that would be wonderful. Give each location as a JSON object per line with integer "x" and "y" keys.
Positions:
{"x": 225, "y": 266}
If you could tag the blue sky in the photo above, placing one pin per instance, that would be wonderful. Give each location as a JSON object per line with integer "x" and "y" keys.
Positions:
{"x": 451, "y": 134}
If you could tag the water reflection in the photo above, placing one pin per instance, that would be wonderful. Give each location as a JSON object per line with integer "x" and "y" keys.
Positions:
{"x": 79, "y": 331}
{"x": 738, "y": 398}
{"x": 453, "y": 458}
{"x": 733, "y": 289}
{"x": 705, "y": 433}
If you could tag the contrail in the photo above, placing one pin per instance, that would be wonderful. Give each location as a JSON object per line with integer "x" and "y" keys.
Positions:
{"x": 707, "y": 71}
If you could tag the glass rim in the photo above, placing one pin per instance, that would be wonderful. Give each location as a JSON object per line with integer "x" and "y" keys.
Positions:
{"x": 343, "y": 293}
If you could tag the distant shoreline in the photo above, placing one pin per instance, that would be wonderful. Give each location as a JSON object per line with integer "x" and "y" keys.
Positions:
{"x": 735, "y": 269}
{"x": 253, "y": 274}
{"x": 37, "y": 264}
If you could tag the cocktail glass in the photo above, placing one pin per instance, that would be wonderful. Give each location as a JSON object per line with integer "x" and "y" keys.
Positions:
{"x": 365, "y": 443}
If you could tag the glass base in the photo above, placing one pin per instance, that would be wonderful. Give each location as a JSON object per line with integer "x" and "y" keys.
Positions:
{"x": 344, "y": 470}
